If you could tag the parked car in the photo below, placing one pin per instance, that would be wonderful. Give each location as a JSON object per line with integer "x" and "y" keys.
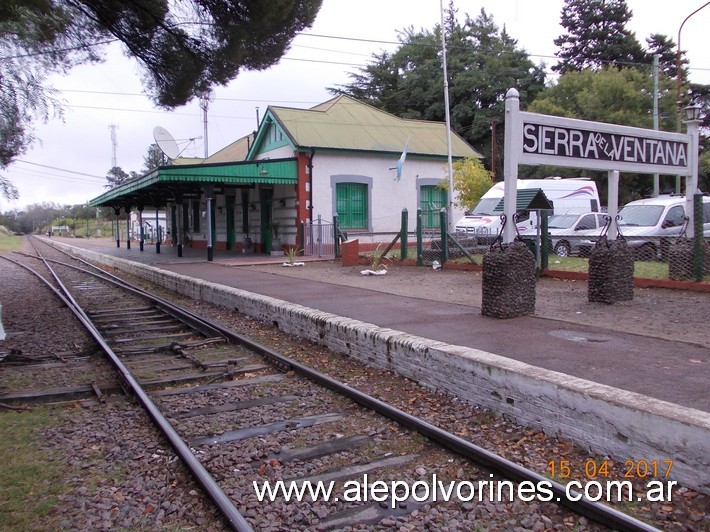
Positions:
{"x": 573, "y": 234}
{"x": 650, "y": 225}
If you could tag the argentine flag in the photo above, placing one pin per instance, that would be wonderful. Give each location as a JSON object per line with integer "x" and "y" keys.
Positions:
{"x": 400, "y": 162}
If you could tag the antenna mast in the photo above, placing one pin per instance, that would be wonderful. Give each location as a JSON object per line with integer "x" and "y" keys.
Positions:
{"x": 114, "y": 144}
{"x": 205, "y": 98}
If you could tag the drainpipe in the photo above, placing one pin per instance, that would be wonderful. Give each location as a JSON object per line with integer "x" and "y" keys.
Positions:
{"x": 310, "y": 183}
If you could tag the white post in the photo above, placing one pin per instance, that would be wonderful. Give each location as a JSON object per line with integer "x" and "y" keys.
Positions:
{"x": 612, "y": 208}
{"x": 450, "y": 166}
{"x": 512, "y": 150}
{"x": 691, "y": 181}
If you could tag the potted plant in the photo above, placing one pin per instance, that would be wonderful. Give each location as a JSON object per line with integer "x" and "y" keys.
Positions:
{"x": 292, "y": 254}
{"x": 376, "y": 265}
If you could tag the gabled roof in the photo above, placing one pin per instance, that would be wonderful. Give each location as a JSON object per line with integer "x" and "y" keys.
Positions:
{"x": 346, "y": 124}
{"x": 528, "y": 199}
{"x": 234, "y": 152}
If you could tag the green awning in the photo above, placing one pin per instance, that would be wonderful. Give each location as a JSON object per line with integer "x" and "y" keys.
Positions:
{"x": 529, "y": 199}
{"x": 161, "y": 184}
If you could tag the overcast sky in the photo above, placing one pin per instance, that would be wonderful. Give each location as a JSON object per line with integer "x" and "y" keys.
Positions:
{"x": 68, "y": 163}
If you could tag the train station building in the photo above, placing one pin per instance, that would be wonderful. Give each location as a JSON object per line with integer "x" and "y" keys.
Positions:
{"x": 340, "y": 157}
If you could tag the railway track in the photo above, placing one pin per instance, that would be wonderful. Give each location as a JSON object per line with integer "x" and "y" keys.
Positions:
{"x": 240, "y": 415}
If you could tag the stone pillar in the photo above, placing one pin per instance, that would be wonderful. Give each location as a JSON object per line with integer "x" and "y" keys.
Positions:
{"x": 611, "y": 272}
{"x": 508, "y": 281}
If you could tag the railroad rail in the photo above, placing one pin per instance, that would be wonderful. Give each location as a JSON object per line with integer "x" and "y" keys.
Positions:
{"x": 206, "y": 387}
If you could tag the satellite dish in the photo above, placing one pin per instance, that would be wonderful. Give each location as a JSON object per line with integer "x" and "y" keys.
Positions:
{"x": 166, "y": 142}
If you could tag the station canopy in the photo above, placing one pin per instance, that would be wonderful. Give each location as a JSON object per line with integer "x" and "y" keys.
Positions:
{"x": 173, "y": 183}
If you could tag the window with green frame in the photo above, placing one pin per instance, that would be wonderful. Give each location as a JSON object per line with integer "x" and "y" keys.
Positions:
{"x": 351, "y": 205}
{"x": 432, "y": 200}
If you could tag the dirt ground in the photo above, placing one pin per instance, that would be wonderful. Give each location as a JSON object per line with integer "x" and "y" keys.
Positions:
{"x": 679, "y": 315}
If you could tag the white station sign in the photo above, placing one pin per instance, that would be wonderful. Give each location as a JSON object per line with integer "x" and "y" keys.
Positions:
{"x": 537, "y": 139}
{"x": 569, "y": 142}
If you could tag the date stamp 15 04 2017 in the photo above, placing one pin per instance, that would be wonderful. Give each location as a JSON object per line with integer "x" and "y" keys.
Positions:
{"x": 631, "y": 469}
{"x": 595, "y": 471}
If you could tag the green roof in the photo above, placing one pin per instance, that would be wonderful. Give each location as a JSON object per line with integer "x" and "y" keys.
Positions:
{"x": 529, "y": 199}
{"x": 346, "y": 124}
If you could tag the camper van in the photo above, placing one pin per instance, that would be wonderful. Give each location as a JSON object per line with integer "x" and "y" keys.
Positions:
{"x": 650, "y": 225}
{"x": 568, "y": 195}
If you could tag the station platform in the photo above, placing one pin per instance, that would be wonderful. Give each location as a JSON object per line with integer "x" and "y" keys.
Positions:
{"x": 669, "y": 370}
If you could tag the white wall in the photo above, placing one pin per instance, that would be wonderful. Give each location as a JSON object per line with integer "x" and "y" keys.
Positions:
{"x": 388, "y": 196}
{"x": 284, "y": 152}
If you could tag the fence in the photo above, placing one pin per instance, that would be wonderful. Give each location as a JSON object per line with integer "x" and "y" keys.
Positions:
{"x": 667, "y": 258}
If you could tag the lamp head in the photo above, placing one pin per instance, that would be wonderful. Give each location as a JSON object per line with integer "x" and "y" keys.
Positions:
{"x": 692, "y": 112}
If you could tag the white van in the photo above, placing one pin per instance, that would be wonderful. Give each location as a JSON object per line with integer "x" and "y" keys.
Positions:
{"x": 650, "y": 225}
{"x": 568, "y": 195}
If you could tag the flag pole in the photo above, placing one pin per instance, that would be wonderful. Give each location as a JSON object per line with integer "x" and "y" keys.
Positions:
{"x": 450, "y": 198}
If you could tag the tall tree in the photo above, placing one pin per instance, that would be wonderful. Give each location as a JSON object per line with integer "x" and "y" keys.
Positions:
{"x": 616, "y": 96}
{"x": 483, "y": 62}
{"x": 597, "y": 36}
{"x": 183, "y": 47}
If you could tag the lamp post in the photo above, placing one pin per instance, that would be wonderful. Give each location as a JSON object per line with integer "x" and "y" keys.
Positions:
{"x": 679, "y": 100}
{"x": 691, "y": 183}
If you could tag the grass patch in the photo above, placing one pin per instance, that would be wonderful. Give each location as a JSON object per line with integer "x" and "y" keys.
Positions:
{"x": 568, "y": 264}
{"x": 9, "y": 242}
{"x": 29, "y": 482}
{"x": 648, "y": 270}
{"x": 651, "y": 270}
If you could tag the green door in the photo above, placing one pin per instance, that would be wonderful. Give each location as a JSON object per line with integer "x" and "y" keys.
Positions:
{"x": 351, "y": 205}
{"x": 433, "y": 199}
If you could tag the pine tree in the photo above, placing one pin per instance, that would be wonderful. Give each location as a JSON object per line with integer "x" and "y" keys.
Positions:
{"x": 597, "y": 36}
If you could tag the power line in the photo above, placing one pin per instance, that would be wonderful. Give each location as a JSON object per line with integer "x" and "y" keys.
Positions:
{"x": 171, "y": 113}
{"x": 39, "y": 174}
{"x": 61, "y": 169}
{"x": 111, "y": 93}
